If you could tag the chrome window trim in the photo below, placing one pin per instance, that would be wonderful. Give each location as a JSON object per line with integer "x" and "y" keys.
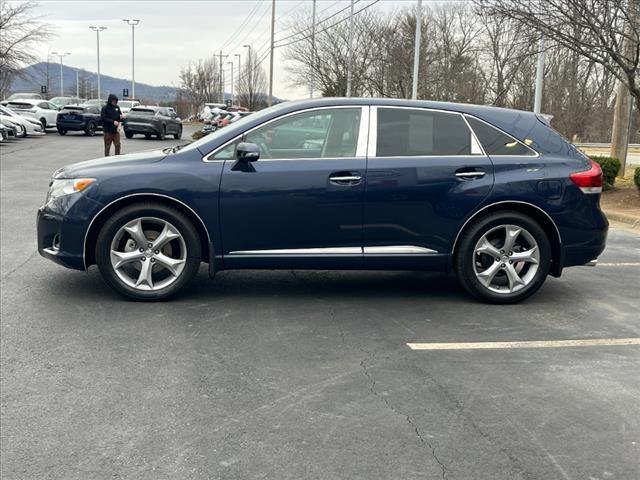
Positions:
{"x": 139, "y": 194}
{"x": 536, "y": 154}
{"x": 475, "y": 214}
{"x": 373, "y": 133}
{"x": 336, "y": 251}
{"x": 360, "y": 147}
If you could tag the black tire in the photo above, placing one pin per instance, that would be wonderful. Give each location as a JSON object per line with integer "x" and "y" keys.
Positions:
{"x": 160, "y": 211}
{"x": 465, "y": 260}
{"x": 178, "y": 135}
{"x": 128, "y": 134}
{"x": 43, "y": 122}
{"x": 147, "y": 136}
{"x": 62, "y": 131}
{"x": 90, "y": 130}
{"x": 162, "y": 133}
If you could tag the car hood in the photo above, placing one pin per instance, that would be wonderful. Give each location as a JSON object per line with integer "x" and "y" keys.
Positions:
{"x": 99, "y": 165}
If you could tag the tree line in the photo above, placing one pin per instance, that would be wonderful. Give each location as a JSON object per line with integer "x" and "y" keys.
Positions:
{"x": 469, "y": 53}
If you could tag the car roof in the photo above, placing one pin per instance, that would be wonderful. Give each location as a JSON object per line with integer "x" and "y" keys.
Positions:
{"x": 147, "y": 107}
{"x": 31, "y": 101}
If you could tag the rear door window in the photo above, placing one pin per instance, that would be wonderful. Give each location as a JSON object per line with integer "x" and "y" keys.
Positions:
{"x": 405, "y": 132}
{"x": 496, "y": 142}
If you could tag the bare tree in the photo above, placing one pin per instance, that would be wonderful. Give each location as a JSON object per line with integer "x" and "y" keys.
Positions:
{"x": 20, "y": 31}
{"x": 604, "y": 26}
{"x": 201, "y": 81}
{"x": 252, "y": 83}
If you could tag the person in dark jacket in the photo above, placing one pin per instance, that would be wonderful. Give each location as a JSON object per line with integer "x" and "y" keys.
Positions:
{"x": 111, "y": 118}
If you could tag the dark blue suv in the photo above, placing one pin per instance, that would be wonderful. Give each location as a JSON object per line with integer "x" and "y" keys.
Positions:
{"x": 495, "y": 195}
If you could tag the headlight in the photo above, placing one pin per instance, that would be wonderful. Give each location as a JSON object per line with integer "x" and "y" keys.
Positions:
{"x": 67, "y": 186}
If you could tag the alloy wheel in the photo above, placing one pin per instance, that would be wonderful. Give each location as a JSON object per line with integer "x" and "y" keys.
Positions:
{"x": 148, "y": 253}
{"x": 506, "y": 259}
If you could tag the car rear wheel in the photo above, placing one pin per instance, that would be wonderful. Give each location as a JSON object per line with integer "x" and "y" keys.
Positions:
{"x": 62, "y": 131}
{"x": 148, "y": 251}
{"x": 147, "y": 136}
{"x": 90, "y": 129}
{"x": 163, "y": 133}
{"x": 43, "y": 122}
{"x": 503, "y": 257}
{"x": 178, "y": 135}
{"x": 128, "y": 134}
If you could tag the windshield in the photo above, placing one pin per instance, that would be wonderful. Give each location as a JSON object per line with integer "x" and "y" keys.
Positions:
{"x": 142, "y": 111}
{"x": 209, "y": 142}
{"x": 127, "y": 104}
{"x": 60, "y": 100}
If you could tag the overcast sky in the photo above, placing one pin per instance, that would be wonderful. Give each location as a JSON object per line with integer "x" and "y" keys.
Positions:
{"x": 171, "y": 33}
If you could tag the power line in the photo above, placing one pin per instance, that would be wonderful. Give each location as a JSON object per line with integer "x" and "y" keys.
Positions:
{"x": 237, "y": 31}
{"x": 329, "y": 27}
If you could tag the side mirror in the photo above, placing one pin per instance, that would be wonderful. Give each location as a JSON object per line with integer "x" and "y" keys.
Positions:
{"x": 247, "y": 152}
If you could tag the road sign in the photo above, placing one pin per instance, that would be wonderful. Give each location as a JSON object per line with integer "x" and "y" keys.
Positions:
{"x": 125, "y": 92}
{"x": 43, "y": 89}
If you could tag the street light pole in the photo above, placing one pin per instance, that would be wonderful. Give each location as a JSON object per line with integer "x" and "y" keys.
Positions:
{"x": 313, "y": 47}
{"x": 98, "y": 29}
{"x": 238, "y": 89}
{"x": 350, "y": 51}
{"x": 133, "y": 22}
{"x": 61, "y": 55}
{"x": 231, "y": 63}
{"x": 273, "y": 24}
{"x": 416, "y": 52}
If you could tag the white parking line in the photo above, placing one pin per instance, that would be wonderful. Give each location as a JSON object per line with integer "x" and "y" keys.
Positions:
{"x": 620, "y": 264}
{"x": 590, "y": 342}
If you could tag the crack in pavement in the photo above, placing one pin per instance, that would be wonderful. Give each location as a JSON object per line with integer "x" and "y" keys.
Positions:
{"x": 13, "y": 270}
{"x": 431, "y": 448}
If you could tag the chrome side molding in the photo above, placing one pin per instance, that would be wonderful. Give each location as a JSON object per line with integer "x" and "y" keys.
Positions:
{"x": 315, "y": 252}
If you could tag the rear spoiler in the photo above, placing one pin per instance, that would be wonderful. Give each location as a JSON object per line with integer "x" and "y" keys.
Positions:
{"x": 545, "y": 118}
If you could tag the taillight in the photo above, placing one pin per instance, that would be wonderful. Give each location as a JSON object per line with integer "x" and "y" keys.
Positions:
{"x": 589, "y": 181}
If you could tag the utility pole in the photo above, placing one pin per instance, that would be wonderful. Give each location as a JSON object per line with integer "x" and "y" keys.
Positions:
{"x": 220, "y": 75}
{"x": 61, "y": 55}
{"x": 231, "y": 63}
{"x": 624, "y": 105}
{"x": 98, "y": 29}
{"x": 77, "y": 84}
{"x": 537, "y": 102}
{"x": 416, "y": 51}
{"x": 273, "y": 25}
{"x": 133, "y": 22}
{"x": 350, "y": 51}
{"x": 313, "y": 47}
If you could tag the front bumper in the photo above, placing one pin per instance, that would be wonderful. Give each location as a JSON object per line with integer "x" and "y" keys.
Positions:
{"x": 61, "y": 229}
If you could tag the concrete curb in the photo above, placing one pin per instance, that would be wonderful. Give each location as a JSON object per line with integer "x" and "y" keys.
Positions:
{"x": 631, "y": 220}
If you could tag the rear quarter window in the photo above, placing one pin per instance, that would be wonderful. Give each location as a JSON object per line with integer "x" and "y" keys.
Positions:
{"x": 496, "y": 142}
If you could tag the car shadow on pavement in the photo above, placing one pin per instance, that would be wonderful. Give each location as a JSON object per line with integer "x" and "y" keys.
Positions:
{"x": 353, "y": 286}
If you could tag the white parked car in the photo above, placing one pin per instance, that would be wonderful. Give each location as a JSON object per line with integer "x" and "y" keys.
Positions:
{"x": 46, "y": 112}
{"x": 29, "y": 123}
{"x": 126, "y": 105}
{"x": 22, "y": 96}
{"x": 20, "y": 130}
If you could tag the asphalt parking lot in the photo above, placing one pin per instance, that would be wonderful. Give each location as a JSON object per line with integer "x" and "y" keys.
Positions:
{"x": 305, "y": 375}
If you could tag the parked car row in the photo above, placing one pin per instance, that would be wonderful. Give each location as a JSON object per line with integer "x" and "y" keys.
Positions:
{"x": 222, "y": 119}
{"x": 28, "y": 114}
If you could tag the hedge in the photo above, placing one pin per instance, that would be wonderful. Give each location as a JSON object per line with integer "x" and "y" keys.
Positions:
{"x": 636, "y": 178}
{"x": 198, "y": 134}
{"x": 610, "y": 168}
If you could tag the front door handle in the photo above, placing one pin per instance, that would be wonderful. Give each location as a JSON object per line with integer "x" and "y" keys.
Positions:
{"x": 345, "y": 178}
{"x": 469, "y": 173}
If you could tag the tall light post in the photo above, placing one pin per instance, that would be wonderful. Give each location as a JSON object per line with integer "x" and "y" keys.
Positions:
{"x": 231, "y": 63}
{"x": 273, "y": 26}
{"x": 350, "y": 51}
{"x": 61, "y": 55}
{"x": 416, "y": 51}
{"x": 133, "y": 22}
{"x": 238, "y": 55}
{"x": 98, "y": 29}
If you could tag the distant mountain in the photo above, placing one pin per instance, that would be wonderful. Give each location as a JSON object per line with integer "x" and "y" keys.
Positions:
{"x": 36, "y": 75}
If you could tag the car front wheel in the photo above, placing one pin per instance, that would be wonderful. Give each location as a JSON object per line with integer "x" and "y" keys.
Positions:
{"x": 178, "y": 135}
{"x": 148, "y": 251}
{"x": 90, "y": 130}
{"x": 503, "y": 257}
{"x": 128, "y": 134}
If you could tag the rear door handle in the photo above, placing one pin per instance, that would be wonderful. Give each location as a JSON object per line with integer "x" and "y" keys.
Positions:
{"x": 345, "y": 178}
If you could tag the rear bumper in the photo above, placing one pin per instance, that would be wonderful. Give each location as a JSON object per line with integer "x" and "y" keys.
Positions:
{"x": 586, "y": 252}
{"x": 71, "y": 125}
{"x": 141, "y": 128}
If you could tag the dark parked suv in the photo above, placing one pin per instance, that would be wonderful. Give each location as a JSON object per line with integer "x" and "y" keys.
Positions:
{"x": 158, "y": 121}
{"x": 495, "y": 195}
{"x": 85, "y": 118}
